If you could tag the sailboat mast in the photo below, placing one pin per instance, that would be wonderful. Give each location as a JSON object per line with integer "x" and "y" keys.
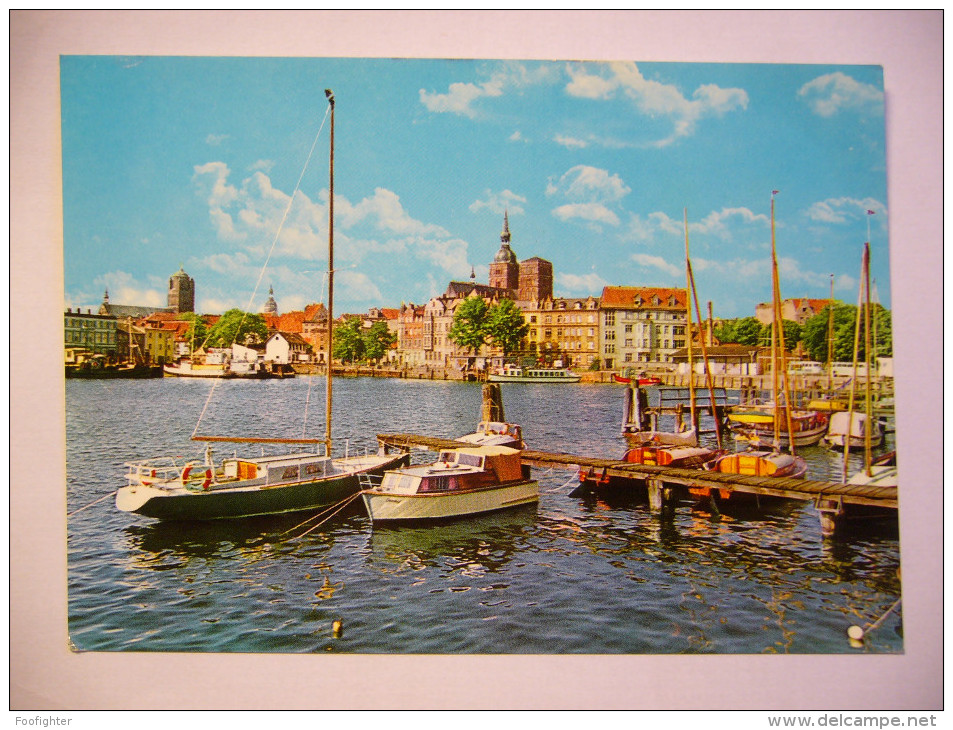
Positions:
{"x": 830, "y": 341}
{"x": 688, "y": 314}
{"x": 327, "y": 432}
{"x": 867, "y": 359}
{"x": 778, "y": 360}
{"x": 693, "y": 294}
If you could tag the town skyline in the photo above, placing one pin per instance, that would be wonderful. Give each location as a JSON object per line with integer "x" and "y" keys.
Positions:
{"x": 594, "y": 163}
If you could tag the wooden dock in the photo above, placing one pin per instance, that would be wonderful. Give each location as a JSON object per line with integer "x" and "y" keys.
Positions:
{"x": 832, "y": 500}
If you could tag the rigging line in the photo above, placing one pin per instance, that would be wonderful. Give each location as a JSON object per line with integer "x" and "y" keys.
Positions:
{"x": 70, "y": 514}
{"x": 264, "y": 267}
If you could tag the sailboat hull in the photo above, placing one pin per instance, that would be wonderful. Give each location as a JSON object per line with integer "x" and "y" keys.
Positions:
{"x": 248, "y": 501}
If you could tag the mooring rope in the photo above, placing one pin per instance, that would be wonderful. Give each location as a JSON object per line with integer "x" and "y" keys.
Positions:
{"x": 322, "y": 512}
{"x": 70, "y": 514}
{"x": 344, "y": 503}
{"x": 558, "y": 490}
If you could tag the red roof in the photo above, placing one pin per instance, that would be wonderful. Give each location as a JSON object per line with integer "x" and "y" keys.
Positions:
{"x": 628, "y": 297}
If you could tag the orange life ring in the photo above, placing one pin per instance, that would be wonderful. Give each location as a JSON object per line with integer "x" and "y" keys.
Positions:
{"x": 185, "y": 474}
{"x": 208, "y": 479}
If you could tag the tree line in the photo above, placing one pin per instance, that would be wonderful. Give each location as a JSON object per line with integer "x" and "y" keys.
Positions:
{"x": 814, "y": 333}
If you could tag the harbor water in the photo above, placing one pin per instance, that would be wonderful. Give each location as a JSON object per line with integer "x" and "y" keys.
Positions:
{"x": 574, "y": 574}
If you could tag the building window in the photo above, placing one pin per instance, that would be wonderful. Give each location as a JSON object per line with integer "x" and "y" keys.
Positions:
{"x": 610, "y": 319}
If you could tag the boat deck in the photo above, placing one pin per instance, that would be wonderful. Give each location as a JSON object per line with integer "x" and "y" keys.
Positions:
{"x": 830, "y": 498}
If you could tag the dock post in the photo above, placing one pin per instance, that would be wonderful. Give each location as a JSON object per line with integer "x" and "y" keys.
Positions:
{"x": 831, "y": 513}
{"x": 660, "y": 496}
{"x": 492, "y": 403}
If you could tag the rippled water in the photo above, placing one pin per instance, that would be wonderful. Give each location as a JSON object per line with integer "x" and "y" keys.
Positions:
{"x": 573, "y": 574}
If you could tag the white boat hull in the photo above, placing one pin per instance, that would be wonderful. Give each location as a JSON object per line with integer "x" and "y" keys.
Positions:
{"x": 386, "y": 506}
{"x": 849, "y": 428}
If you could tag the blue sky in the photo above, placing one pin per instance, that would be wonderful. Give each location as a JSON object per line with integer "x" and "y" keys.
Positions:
{"x": 174, "y": 161}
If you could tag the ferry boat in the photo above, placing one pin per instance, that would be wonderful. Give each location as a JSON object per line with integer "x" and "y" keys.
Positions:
{"x": 515, "y": 374}
{"x": 163, "y": 489}
{"x": 462, "y": 482}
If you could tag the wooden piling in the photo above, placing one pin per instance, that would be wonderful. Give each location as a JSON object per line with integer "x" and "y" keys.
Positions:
{"x": 492, "y": 403}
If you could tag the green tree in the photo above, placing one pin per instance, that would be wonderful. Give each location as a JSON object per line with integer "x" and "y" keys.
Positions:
{"x": 791, "y": 333}
{"x": 197, "y": 331}
{"x": 469, "y": 324}
{"x": 349, "y": 340}
{"x": 236, "y": 326}
{"x": 377, "y": 341}
{"x": 744, "y": 331}
{"x": 506, "y": 326}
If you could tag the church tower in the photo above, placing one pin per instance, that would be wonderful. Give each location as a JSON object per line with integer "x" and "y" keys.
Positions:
{"x": 181, "y": 292}
{"x": 505, "y": 271}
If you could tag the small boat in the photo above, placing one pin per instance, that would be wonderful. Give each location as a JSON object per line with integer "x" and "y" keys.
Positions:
{"x": 243, "y": 487}
{"x": 642, "y": 380}
{"x": 760, "y": 463}
{"x": 515, "y": 374}
{"x": 758, "y": 425}
{"x": 851, "y": 428}
{"x": 188, "y": 369}
{"x": 462, "y": 482}
{"x": 495, "y": 433}
{"x": 682, "y": 457}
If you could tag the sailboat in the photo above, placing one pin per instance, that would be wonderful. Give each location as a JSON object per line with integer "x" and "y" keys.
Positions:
{"x": 878, "y": 472}
{"x": 165, "y": 489}
{"x": 778, "y": 424}
{"x": 859, "y": 428}
{"x": 679, "y": 447}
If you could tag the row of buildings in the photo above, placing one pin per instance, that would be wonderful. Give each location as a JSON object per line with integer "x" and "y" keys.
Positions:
{"x": 627, "y": 326}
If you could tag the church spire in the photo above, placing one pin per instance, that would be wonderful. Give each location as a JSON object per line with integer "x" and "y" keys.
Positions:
{"x": 505, "y": 235}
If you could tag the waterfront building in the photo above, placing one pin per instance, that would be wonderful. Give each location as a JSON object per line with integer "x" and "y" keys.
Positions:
{"x": 94, "y": 333}
{"x": 641, "y": 325}
{"x": 796, "y": 310}
{"x": 411, "y": 351}
{"x": 287, "y": 347}
{"x": 731, "y": 359}
{"x": 563, "y": 329}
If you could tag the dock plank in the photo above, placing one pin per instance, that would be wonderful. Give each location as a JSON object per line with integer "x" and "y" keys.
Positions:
{"x": 789, "y": 488}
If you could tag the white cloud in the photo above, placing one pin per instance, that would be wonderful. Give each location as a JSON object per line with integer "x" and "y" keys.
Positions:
{"x": 460, "y": 96}
{"x": 499, "y": 202}
{"x": 517, "y": 136}
{"x": 842, "y": 210}
{"x": 250, "y": 218}
{"x": 594, "y": 212}
{"x": 657, "y": 262}
{"x": 590, "y": 283}
{"x": 589, "y": 184}
{"x": 654, "y": 99}
{"x": 716, "y": 222}
{"x": 215, "y": 139}
{"x": 836, "y": 92}
{"x": 570, "y": 142}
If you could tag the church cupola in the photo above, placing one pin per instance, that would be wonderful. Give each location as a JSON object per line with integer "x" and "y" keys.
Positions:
{"x": 271, "y": 306}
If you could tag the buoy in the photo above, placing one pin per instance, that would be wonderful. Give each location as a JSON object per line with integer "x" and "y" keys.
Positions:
{"x": 336, "y": 628}
{"x": 855, "y": 633}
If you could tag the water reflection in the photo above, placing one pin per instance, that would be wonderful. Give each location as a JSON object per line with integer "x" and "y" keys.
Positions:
{"x": 485, "y": 542}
